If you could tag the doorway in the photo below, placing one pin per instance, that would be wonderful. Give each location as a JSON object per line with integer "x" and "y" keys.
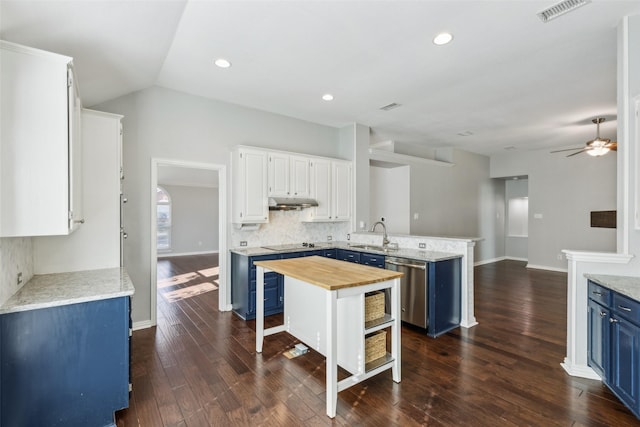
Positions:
{"x": 193, "y": 228}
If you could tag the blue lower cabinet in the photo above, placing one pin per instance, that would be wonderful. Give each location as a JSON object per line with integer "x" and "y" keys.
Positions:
{"x": 243, "y": 286}
{"x": 330, "y": 253}
{"x": 613, "y": 343}
{"x": 66, "y": 365}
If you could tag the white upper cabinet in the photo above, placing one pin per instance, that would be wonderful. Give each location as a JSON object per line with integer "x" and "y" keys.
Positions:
{"x": 249, "y": 169}
{"x": 331, "y": 188}
{"x": 40, "y": 149}
{"x": 97, "y": 243}
{"x": 288, "y": 175}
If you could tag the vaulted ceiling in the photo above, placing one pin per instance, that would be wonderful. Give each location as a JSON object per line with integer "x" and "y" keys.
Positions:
{"x": 506, "y": 81}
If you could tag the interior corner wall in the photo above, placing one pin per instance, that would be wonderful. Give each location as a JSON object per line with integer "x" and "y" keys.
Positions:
{"x": 355, "y": 139}
{"x": 194, "y": 219}
{"x": 562, "y": 193}
{"x": 390, "y": 198}
{"x": 516, "y": 247}
{"x": 459, "y": 201}
{"x": 166, "y": 124}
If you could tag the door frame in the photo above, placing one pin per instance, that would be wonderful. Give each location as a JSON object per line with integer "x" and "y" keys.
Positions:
{"x": 223, "y": 294}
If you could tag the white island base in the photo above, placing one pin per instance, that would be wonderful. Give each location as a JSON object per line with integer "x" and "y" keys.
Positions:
{"x": 327, "y": 314}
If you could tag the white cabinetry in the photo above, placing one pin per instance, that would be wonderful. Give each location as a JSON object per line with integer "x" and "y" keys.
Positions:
{"x": 40, "y": 143}
{"x": 97, "y": 243}
{"x": 288, "y": 175}
{"x": 331, "y": 188}
{"x": 249, "y": 169}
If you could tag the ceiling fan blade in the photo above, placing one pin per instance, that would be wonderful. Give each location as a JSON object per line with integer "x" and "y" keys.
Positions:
{"x": 613, "y": 146}
{"x": 581, "y": 151}
{"x": 568, "y": 149}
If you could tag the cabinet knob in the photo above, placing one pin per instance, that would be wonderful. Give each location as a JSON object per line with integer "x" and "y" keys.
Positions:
{"x": 125, "y": 200}
{"x": 603, "y": 314}
{"x": 597, "y": 293}
{"x": 125, "y": 235}
{"x": 612, "y": 320}
{"x": 79, "y": 221}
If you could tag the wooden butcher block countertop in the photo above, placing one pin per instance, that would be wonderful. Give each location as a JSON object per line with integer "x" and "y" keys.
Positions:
{"x": 329, "y": 273}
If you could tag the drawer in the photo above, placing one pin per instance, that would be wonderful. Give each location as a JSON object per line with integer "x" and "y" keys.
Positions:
{"x": 330, "y": 253}
{"x": 599, "y": 294}
{"x": 252, "y": 267}
{"x": 270, "y": 280}
{"x": 372, "y": 260}
{"x": 346, "y": 255}
{"x": 317, "y": 252}
{"x": 626, "y": 307}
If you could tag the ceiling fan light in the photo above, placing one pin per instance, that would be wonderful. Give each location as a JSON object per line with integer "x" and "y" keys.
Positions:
{"x": 598, "y": 151}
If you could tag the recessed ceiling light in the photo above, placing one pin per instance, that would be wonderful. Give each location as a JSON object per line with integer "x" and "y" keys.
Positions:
{"x": 327, "y": 97}
{"x": 442, "y": 38}
{"x": 222, "y": 63}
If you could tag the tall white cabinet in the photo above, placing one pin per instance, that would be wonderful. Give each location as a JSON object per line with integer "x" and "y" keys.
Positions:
{"x": 97, "y": 243}
{"x": 40, "y": 143}
{"x": 331, "y": 188}
{"x": 249, "y": 169}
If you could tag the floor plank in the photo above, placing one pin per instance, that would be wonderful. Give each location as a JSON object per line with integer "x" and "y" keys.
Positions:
{"x": 198, "y": 367}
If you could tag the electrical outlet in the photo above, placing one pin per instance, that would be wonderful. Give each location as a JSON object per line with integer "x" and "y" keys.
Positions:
{"x": 20, "y": 278}
{"x": 422, "y": 245}
{"x": 243, "y": 243}
{"x": 348, "y": 236}
{"x": 329, "y": 238}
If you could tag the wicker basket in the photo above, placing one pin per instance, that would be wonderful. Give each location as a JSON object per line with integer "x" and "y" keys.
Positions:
{"x": 375, "y": 346}
{"x": 373, "y": 306}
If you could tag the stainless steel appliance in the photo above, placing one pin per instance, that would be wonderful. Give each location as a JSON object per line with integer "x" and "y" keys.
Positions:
{"x": 413, "y": 289}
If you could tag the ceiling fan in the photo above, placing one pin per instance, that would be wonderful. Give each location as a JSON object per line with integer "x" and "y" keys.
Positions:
{"x": 595, "y": 147}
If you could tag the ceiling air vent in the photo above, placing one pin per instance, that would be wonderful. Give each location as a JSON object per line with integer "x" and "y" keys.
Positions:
{"x": 561, "y": 8}
{"x": 390, "y": 106}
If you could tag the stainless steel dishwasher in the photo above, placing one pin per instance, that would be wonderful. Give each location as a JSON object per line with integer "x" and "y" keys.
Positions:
{"x": 413, "y": 289}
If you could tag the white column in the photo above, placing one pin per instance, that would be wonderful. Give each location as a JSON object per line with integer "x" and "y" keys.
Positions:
{"x": 259, "y": 308}
{"x": 332, "y": 352}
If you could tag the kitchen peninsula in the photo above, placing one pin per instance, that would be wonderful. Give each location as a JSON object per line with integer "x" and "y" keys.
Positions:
{"x": 325, "y": 308}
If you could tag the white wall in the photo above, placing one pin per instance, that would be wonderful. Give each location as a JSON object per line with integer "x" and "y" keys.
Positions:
{"x": 564, "y": 190}
{"x": 516, "y": 247}
{"x": 390, "y": 198}
{"x": 16, "y": 255}
{"x": 161, "y": 123}
{"x": 194, "y": 219}
{"x": 459, "y": 201}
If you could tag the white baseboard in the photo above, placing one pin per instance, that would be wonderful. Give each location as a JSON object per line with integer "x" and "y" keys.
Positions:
{"x": 488, "y": 261}
{"x": 582, "y": 371}
{"x": 544, "y": 267}
{"x": 513, "y": 258}
{"x": 171, "y": 254}
{"x": 143, "y": 324}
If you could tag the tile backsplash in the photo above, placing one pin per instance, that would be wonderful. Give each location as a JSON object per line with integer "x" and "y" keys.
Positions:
{"x": 286, "y": 227}
{"x": 16, "y": 255}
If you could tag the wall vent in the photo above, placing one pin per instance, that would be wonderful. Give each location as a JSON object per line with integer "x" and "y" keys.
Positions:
{"x": 390, "y": 106}
{"x": 560, "y": 9}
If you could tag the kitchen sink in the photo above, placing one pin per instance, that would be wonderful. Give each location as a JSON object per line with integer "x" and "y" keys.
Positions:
{"x": 374, "y": 248}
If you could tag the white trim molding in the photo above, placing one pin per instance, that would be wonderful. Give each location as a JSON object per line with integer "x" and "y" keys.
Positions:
{"x": 575, "y": 362}
{"x": 546, "y": 267}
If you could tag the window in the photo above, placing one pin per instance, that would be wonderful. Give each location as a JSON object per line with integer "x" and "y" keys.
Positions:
{"x": 163, "y": 224}
{"x": 518, "y": 217}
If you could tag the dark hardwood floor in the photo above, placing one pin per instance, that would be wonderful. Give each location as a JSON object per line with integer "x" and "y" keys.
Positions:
{"x": 198, "y": 367}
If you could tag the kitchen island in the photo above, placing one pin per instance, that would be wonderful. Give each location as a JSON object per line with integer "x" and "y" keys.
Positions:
{"x": 64, "y": 349}
{"x": 325, "y": 308}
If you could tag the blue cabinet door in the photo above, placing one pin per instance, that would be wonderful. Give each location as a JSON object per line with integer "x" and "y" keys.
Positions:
{"x": 372, "y": 260}
{"x": 598, "y": 339}
{"x": 444, "y": 287}
{"x": 625, "y": 352}
{"x": 330, "y": 253}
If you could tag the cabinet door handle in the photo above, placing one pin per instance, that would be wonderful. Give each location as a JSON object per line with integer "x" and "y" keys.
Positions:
{"x": 612, "y": 320}
{"x": 597, "y": 293}
{"x": 603, "y": 314}
{"x": 79, "y": 221}
{"x": 621, "y": 307}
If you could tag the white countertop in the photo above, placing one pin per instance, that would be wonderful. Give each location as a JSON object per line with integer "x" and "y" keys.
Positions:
{"x": 625, "y": 285}
{"x": 52, "y": 290}
{"x": 417, "y": 254}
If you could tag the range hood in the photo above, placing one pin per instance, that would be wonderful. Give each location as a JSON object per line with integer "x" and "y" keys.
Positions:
{"x": 290, "y": 203}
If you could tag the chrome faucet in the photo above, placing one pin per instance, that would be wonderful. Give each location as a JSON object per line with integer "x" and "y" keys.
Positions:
{"x": 385, "y": 238}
